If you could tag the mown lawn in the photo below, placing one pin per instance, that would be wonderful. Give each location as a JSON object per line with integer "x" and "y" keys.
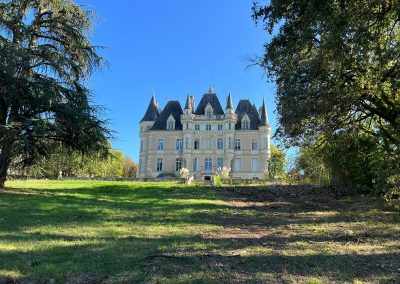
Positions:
{"x": 115, "y": 232}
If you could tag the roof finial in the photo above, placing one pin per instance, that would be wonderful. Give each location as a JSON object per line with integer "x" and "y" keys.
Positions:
{"x": 211, "y": 89}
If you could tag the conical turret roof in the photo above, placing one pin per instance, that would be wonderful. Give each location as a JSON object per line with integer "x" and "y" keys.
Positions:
{"x": 229, "y": 104}
{"x": 264, "y": 115}
{"x": 152, "y": 111}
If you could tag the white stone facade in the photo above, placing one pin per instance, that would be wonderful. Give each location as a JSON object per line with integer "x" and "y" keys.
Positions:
{"x": 204, "y": 140}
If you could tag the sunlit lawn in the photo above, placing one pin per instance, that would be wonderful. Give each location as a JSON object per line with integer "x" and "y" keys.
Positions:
{"x": 88, "y": 232}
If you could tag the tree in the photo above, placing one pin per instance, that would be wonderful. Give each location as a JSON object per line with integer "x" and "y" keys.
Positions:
{"x": 45, "y": 60}
{"x": 277, "y": 162}
{"x": 336, "y": 65}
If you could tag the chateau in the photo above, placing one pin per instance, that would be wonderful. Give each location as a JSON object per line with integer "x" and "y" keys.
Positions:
{"x": 204, "y": 138}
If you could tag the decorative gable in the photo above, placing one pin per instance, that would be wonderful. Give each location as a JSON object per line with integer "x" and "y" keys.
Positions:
{"x": 209, "y": 110}
{"x": 245, "y": 122}
{"x": 171, "y": 123}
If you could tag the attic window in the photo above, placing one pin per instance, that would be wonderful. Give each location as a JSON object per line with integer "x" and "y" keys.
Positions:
{"x": 246, "y": 122}
{"x": 171, "y": 123}
{"x": 209, "y": 114}
{"x": 209, "y": 111}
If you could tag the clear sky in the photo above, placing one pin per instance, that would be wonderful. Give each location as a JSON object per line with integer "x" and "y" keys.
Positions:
{"x": 174, "y": 48}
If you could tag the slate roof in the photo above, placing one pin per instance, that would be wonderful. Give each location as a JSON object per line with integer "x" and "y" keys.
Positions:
{"x": 212, "y": 99}
{"x": 174, "y": 108}
{"x": 245, "y": 107}
{"x": 264, "y": 116}
{"x": 152, "y": 111}
{"x": 229, "y": 103}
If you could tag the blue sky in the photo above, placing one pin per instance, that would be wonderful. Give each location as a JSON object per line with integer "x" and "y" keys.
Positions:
{"x": 174, "y": 48}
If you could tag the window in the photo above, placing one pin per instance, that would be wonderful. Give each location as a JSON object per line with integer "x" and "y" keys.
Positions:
{"x": 197, "y": 144}
{"x": 160, "y": 145}
{"x": 220, "y": 143}
{"x": 197, "y": 127}
{"x": 179, "y": 144}
{"x": 208, "y": 164}
{"x": 195, "y": 164}
{"x": 141, "y": 145}
{"x": 254, "y": 144}
{"x": 230, "y": 143}
{"x": 187, "y": 142}
{"x": 147, "y": 128}
{"x": 209, "y": 114}
{"x": 178, "y": 165}
{"x": 171, "y": 125}
{"x": 265, "y": 143}
{"x": 220, "y": 163}
{"x": 246, "y": 124}
{"x": 187, "y": 126}
{"x": 254, "y": 165}
{"x": 230, "y": 126}
{"x": 159, "y": 164}
{"x": 208, "y": 127}
{"x": 220, "y": 127}
{"x": 237, "y": 144}
{"x": 208, "y": 144}
{"x": 237, "y": 165}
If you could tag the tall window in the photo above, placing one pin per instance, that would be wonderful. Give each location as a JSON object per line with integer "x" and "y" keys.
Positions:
{"x": 220, "y": 127}
{"x": 141, "y": 145}
{"x": 179, "y": 144}
{"x": 254, "y": 165}
{"x": 171, "y": 125}
{"x": 178, "y": 164}
{"x": 237, "y": 144}
{"x": 187, "y": 142}
{"x": 237, "y": 165}
{"x": 195, "y": 164}
{"x": 208, "y": 164}
{"x": 197, "y": 144}
{"x": 208, "y": 127}
{"x": 209, "y": 114}
{"x": 160, "y": 145}
{"x": 230, "y": 143}
{"x": 220, "y": 163}
{"x": 208, "y": 144}
{"x": 230, "y": 126}
{"x": 187, "y": 126}
{"x": 197, "y": 127}
{"x": 159, "y": 165}
{"x": 254, "y": 144}
{"x": 246, "y": 124}
{"x": 220, "y": 143}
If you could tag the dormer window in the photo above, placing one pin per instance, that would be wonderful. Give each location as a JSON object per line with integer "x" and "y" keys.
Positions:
{"x": 246, "y": 122}
{"x": 171, "y": 123}
{"x": 209, "y": 111}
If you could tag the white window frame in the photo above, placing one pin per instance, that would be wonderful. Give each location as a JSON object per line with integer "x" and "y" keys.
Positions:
{"x": 160, "y": 144}
{"x": 178, "y": 164}
{"x": 159, "y": 165}
{"x": 179, "y": 144}
{"x": 198, "y": 144}
{"x": 237, "y": 144}
{"x": 208, "y": 127}
{"x": 254, "y": 144}
{"x": 237, "y": 164}
{"x": 195, "y": 164}
{"x": 220, "y": 143}
{"x": 220, "y": 127}
{"x": 254, "y": 168}
{"x": 208, "y": 144}
{"x": 208, "y": 164}
{"x": 220, "y": 163}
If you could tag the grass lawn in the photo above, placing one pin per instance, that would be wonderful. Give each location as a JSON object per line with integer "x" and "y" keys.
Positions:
{"x": 116, "y": 232}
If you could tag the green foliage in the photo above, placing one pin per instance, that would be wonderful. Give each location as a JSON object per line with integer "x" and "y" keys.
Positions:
{"x": 73, "y": 164}
{"x": 336, "y": 64}
{"x": 277, "y": 162}
{"x": 46, "y": 59}
{"x": 217, "y": 181}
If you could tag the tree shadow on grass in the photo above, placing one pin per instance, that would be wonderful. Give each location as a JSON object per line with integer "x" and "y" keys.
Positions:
{"x": 201, "y": 256}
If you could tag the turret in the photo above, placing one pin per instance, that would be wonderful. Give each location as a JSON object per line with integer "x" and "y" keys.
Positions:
{"x": 264, "y": 115}
{"x": 229, "y": 104}
{"x": 189, "y": 106}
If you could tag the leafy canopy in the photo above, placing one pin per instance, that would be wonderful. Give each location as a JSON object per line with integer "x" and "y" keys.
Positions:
{"x": 45, "y": 60}
{"x": 336, "y": 64}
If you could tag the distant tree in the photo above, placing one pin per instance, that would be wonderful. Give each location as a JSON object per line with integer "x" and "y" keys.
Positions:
{"x": 336, "y": 65}
{"x": 45, "y": 58}
{"x": 277, "y": 162}
{"x": 130, "y": 168}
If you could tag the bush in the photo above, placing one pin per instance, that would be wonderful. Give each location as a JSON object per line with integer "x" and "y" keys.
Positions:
{"x": 217, "y": 181}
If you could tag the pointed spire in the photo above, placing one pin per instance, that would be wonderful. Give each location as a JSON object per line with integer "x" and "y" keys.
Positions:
{"x": 211, "y": 90}
{"x": 152, "y": 111}
{"x": 188, "y": 104}
{"x": 229, "y": 104}
{"x": 264, "y": 115}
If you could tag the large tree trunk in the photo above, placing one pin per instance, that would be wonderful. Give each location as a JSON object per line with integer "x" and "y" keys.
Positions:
{"x": 5, "y": 161}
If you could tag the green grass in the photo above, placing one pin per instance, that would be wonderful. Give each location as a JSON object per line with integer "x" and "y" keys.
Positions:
{"x": 117, "y": 232}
